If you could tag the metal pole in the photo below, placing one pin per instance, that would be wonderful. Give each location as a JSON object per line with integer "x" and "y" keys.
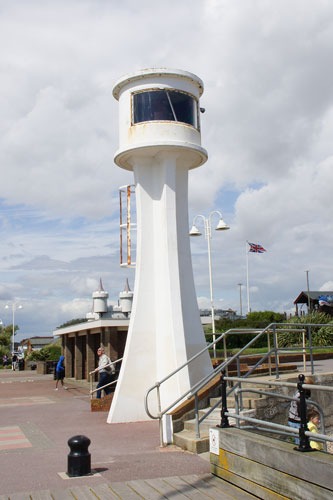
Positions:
{"x": 159, "y": 414}
{"x": 269, "y": 357}
{"x": 240, "y": 299}
{"x": 13, "y": 309}
{"x": 308, "y": 290}
{"x": 276, "y": 354}
{"x": 208, "y": 236}
{"x": 197, "y": 425}
{"x": 247, "y": 278}
{"x": 311, "y": 350}
{"x": 304, "y": 350}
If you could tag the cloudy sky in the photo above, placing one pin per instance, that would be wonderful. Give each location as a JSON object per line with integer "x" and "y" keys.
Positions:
{"x": 268, "y": 75}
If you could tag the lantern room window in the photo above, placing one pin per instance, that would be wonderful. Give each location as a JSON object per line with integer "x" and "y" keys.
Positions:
{"x": 165, "y": 105}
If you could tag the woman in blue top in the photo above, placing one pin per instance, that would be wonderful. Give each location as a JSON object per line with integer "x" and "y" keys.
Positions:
{"x": 60, "y": 373}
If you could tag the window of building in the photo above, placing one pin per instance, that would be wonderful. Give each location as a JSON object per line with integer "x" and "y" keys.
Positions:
{"x": 165, "y": 105}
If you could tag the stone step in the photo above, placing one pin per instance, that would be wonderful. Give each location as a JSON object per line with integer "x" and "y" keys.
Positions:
{"x": 248, "y": 403}
{"x": 187, "y": 440}
{"x": 213, "y": 419}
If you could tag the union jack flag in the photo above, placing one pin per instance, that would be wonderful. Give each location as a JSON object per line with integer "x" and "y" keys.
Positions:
{"x": 256, "y": 248}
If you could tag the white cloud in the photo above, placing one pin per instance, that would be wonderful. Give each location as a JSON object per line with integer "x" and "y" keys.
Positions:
{"x": 76, "y": 308}
{"x": 327, "y": 286}
{"x": 267, "y": 128}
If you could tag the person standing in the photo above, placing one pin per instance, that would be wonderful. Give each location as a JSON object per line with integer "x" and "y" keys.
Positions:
{"x": 106, "y": 371}
{"x": 14, "y": 361}
{"x": 60, "y": 373}
{"x": 5, "y": 361}
{"x": 313, "y": 422}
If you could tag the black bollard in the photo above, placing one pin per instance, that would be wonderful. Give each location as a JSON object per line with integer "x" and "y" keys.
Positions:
{"x": 304, "y": 442}
{"x": 78, "y": 463}
{"x": 224, "y": 419}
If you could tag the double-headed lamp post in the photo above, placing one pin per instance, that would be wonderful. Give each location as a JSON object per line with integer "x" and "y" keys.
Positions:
{"x": 221, "y": 226}
{"x": 14, "y": 307}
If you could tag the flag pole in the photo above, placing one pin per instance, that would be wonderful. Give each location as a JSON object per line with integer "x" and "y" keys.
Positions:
{"x": 247, "y": 276}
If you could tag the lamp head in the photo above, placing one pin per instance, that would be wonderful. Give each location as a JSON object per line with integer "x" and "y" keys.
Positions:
{"x": 222, "y": 226}
{"x": 195, "y": 231}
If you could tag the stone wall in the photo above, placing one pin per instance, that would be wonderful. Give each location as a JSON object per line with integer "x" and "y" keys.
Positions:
{"x": 276, "y": 409}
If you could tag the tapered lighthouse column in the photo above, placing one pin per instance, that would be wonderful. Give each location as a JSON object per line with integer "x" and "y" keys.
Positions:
{"x": 160, "y": 142}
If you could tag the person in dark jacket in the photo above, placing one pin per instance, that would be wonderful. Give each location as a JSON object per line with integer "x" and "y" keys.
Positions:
{"x": 14, "y": 361}
{"x": 60, "y": 373}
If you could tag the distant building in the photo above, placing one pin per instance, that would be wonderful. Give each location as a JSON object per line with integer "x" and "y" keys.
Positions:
{"x": 219, "y": 314}
{"x": 34, "y": 343}
{"x": 321, "y": 301}
{"x": 107, "y": 325}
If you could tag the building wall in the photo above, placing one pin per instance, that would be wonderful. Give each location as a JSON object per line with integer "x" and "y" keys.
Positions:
{"x": 80, "y": 349}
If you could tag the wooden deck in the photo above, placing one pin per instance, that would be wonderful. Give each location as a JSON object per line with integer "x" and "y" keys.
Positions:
{"x": 195, "y": 487}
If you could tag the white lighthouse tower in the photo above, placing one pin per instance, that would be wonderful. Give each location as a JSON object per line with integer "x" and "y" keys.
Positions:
{"x": 160, "y": 141}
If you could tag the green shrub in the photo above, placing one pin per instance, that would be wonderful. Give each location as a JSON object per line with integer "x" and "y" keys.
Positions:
{"x": 320, "y": 336}
{"x": 254, "y": 320}
{"x": 51, "y": 352}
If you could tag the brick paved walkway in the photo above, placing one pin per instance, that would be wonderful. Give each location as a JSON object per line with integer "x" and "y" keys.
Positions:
{"x": 36, "y": 423}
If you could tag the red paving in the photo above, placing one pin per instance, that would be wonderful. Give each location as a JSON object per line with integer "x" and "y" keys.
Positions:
{"x": 36, "y": 423}
{"x": 13, "y": 438}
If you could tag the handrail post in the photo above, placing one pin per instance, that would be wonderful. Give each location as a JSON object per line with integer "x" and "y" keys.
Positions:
{"x": 224, "y": 419}
{"x": 277, "y": 376}
{"x": 159, "y": 413}
{"x": 225, "y": 349}
{"x": 311, "y": 351}
{"x": 304, "y": 349}
{"x": 239, "y": 376}
{"x": 197, "y": 425}
{"x": 91, "y": 385}
{"x": 237, "y": 407}
{"x": 269, "y": 350}
{"x": 304, "y": 442}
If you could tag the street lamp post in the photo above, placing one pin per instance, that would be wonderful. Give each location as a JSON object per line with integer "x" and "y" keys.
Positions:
{"x": 14, "y": 306}
{"x": 221, "y": 226}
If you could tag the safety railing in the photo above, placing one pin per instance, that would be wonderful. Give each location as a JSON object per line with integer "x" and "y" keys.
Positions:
{"x": 91, "y": 382}
{"x": 272, "y": 352}
{"x": 272, "y": 427}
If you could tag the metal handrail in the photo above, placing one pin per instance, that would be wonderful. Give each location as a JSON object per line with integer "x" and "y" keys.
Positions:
{"x": 193, "y": 391}
{"x": 238, "y": 417}
{"x": 92, "y": 391}
{"x": 207, "y": 378}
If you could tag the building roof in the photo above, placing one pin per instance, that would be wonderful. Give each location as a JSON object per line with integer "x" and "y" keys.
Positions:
{"x": 37, "y": 340}
{"x": 314, "y": 295}
{"x": 90, "y": 325}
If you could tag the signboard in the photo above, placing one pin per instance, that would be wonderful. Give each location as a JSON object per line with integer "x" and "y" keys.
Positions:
{"x": 214, "y": 441}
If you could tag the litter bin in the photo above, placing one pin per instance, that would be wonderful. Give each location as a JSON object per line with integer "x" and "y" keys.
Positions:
{"x": 21, "y": 364}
